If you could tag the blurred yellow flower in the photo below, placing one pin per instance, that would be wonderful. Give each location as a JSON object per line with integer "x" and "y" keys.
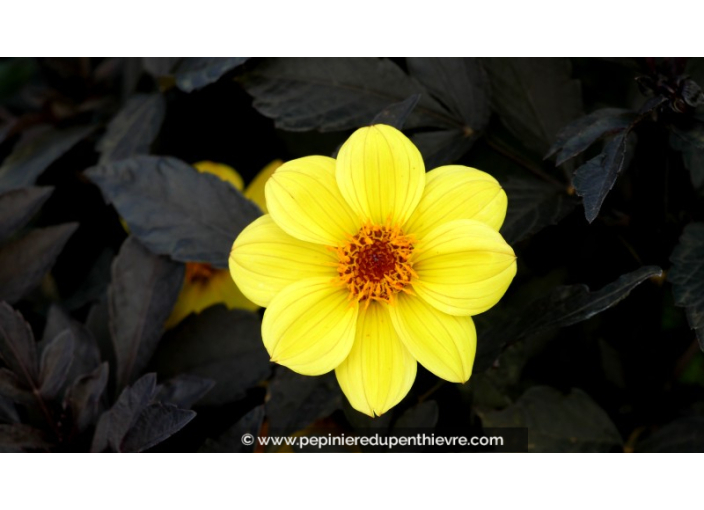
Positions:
{"x": 204, "y": 285}
{"x": 367, "y": 264}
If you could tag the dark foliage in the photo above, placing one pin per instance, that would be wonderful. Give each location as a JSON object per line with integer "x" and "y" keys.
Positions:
{"x": 86, "y": 363}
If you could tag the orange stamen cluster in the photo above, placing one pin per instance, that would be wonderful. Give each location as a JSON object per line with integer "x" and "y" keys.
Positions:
{"x": 375, "y": 264}
{"x": 197, "y": 272}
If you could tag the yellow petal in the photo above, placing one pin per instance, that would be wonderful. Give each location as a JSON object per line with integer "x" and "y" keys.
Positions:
{"x": 304, "y": 200}
{"x": 442, "y": 343}
{"x": 196, "y": 296}
{"x": 381, "y": 174}
{"x": 309, "y": 326}
{"x": 265, "y": 259}
{"x": 379, "y": 371}
{"x": 255, "y": 190}
{"x": 463, "y": 267}
{"x": 458, "y": 193}
{"x": 225, "y": 172}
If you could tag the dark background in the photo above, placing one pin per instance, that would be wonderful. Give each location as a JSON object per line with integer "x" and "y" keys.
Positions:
{"x": 612, "y": 367}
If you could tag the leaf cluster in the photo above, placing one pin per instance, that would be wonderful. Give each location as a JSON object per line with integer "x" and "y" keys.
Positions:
{"x": 87, "y": 145}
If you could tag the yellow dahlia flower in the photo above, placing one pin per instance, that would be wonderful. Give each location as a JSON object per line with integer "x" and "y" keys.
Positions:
{"x": 367, "y": 264}
{"x": 204, "y": 285}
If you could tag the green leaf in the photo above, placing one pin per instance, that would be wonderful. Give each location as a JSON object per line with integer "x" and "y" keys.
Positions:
{"x": 29, "y": 160}
{"x": 534, "y": 97}
{"x": 559, "y": 423}
{"x": 195, "y": 73}
{"x": 687, "y": 277}
{"x": 18, "y": 206}
{"x": 141, "y": 296}
{"x": 579, "y": 135}
{"x": 532, "y": 205}
{"x": 175, "y": 210}
{"x": 219, "y": 344}
{"x": 25, "y": 261}
{"x": 596, "y": 177}
{"x": 134, "y": 128}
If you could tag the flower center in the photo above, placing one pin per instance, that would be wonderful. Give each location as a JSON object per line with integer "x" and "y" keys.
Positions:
{"x": 375, "y": 263}
{"x": 197, "y": 272}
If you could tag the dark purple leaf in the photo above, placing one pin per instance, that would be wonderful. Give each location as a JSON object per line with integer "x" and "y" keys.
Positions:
{"x": 17, "y": 438}
{"x": 55, "y": 364}
{"x": 334, "y": 94}
{"x": 596, "y": 177}
{"x": 231, "y": 440}
{"x": 29, "y": 160}
{"x": 141, "y": 296}
{"x": 396, "y": 114}
{"x": 18, "y": 206}
{"x": 295, "y": 401}
{"x": 687, "y": 277}
{"x": 25, "y": 261}
{"x": 174, "y": 210}
{"x": 115, "y": 423}
{"x": 134, "y": 128}
{"x": 84, "y": 397}
{"x": 8, "y": 413}
{"x": 532, "y": 205}
{"x": 577, "y": 136}
{"x": 194, "y": 73}
{"x": 460, "y": 84}
{"x": 14, "y": 389}
{"x": 155, "y": 424}
{"x": 184, "y": 390}
{"x": 18, "y": 349}
{"x": 86, "y": 355}
{"x": 218, "y": 344}
{"x": 534, "y": 97}
{"x": 562, "y": 307}
{"x": 559, "y": 423}
{"x": 684, "y": 435}
{"x": 442, "y": 147}
{"x": 160, "y": 66}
